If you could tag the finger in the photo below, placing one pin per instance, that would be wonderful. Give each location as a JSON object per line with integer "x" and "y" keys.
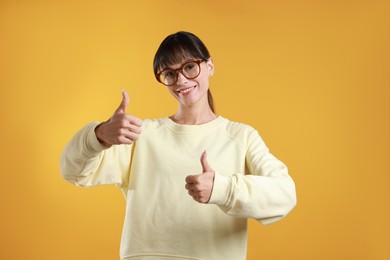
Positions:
{"x": 190, "y": 187}
{"x": 125, "y": 102}
{"x": 205, "y": 165}
{"x": 134, "y": 129}
{"x": 124, "y": 140}
{"x": 126, "y": 133}
{"x": 134, "y": 120}
{"x": 191, "y": 179}
{"x": 130, "y": 135}
{"x": 197, "y": 197}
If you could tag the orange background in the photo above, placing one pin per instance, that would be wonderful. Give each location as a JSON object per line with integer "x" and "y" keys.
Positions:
{"x": 311, "y": 76}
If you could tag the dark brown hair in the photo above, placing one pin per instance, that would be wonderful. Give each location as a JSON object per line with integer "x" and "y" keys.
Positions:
{"x": 178, "y": 47}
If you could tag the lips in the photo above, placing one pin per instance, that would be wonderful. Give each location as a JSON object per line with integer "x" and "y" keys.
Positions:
{"x": 185, "y": 90}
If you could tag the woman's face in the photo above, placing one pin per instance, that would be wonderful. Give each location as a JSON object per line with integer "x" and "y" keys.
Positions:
{"x": 191, "y": 92}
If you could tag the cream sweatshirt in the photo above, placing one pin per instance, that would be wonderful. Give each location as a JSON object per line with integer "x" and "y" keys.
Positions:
{"x": 162, "y": 221}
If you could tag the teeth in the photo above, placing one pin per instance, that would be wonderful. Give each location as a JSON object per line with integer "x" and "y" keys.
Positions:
{"x": 186, "y": 90}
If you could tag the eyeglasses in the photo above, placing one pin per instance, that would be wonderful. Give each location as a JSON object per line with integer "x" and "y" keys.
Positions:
{"x": 190, "y": 70}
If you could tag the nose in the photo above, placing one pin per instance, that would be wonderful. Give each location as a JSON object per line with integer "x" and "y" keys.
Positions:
{"x": 180, "y": 78}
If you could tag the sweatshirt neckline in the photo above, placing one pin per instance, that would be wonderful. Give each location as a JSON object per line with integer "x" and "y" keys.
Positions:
{"x": 190, "y": 129}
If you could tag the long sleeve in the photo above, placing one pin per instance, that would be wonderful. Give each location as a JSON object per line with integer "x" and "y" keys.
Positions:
{"x": 85, "y": 162}
{"x": 266, "y": 194}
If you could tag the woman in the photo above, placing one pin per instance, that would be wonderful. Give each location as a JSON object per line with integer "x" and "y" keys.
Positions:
{"x": 190, "y": 180}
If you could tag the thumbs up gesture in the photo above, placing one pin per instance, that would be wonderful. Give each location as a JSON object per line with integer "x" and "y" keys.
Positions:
{"x": 200, "y": 186}
{"x": 121, "y": 128}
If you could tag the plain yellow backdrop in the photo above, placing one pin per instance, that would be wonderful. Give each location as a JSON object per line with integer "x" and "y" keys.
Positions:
{"x": 311, "y": 76}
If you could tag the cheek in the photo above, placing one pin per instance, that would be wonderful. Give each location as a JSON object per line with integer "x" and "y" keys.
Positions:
{"x": 203, "y": 83}
{"x": 173, "y": 93}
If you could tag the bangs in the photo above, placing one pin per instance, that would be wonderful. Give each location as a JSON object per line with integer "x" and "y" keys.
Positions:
{"x": 175, "y": 55}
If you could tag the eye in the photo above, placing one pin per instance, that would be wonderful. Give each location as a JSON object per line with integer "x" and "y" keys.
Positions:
{"x": 189, "y": 66}
{"x": 168, "y": 74}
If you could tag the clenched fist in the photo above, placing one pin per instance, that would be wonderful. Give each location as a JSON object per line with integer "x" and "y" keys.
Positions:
{"x": 121, "y": 128}
{"x": 200, "y": 186}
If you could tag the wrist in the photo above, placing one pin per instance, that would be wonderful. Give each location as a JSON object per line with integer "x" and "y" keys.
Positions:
{"x": 221, "y": 193}
{"x": 99, "y": 134}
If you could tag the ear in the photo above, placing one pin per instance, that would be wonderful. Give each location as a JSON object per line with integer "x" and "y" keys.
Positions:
{"x": 210, "y": 66}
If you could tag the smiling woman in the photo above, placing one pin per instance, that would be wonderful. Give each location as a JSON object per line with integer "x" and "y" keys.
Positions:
{"x": 173, "y": 212}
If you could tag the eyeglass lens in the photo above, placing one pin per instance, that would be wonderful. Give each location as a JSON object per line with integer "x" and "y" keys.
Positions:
{"x": 190, "y": 70}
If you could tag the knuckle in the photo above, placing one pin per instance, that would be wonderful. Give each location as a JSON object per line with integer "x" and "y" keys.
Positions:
{"x": 134, "y": 136}
{"x": 121, "y": 131}
{"x": 123, "y": 123}
{"x": 137, "y": 130}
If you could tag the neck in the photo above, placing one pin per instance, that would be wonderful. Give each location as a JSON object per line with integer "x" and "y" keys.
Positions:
{"x": 194, "y": 115}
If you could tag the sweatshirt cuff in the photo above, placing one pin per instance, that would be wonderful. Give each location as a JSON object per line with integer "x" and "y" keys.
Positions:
{"x": 93, "y": 145}
{"x": 221, "y": 190}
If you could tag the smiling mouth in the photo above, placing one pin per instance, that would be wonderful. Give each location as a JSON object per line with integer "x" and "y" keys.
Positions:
{"x": 186, "y": 90}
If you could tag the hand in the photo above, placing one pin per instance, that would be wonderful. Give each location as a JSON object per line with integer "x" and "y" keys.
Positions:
{"x": 200, "y": 186}
{"x": 121, "y": 128}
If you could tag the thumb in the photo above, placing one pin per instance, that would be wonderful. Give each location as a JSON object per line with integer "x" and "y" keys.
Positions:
{"x": 205, "y": 165}
{"x": 125, "y": 102}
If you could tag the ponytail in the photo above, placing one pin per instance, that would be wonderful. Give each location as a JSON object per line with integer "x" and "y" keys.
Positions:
{"x": 211, "y": 100}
